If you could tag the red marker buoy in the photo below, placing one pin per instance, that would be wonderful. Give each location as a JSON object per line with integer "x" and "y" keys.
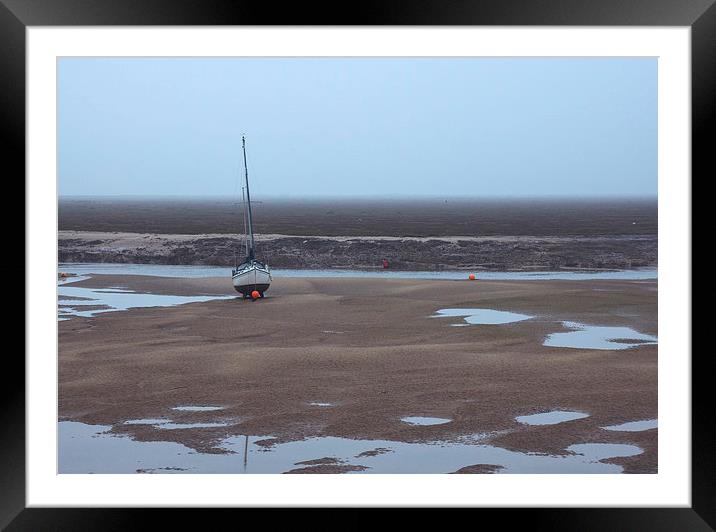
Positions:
{"x": 471, "y": 276}
{"x": 255, "y": 294}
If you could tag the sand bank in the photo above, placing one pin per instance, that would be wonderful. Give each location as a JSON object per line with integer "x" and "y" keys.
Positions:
{"x": 486, "y": 253}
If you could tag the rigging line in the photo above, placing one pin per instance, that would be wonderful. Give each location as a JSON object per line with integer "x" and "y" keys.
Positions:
{"x": 237, "y": 181}
{"x": 243, "y": 211}
{"x": 258, "y": 192}
{"x": 252, "y": 245}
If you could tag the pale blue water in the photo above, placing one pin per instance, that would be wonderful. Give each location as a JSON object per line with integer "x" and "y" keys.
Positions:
{"x": 112, "y": 299}
{"x": 580, "y": 336}
{"x": 418, "y": 420}
{"x": 597, "y": 337}
{"x": 91, "y": 449}
{"x": 634, "y": 426}
{"x": 162, "y": 270}
{"x": 481, "y": 316}
{"x": 603, "y": 451}
{"x": 550, "y": 418}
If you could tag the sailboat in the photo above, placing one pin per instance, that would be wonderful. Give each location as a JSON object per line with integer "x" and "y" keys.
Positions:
{"x": 251, "y": 275}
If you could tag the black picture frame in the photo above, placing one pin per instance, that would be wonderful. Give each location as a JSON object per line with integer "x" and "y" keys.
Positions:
{"x": 17, "y": 15}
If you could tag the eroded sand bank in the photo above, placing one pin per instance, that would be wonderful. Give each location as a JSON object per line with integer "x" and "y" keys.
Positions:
{"x": 489, "y": 253}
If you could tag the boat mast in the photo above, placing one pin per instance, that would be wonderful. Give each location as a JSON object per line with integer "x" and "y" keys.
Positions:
{"x": 243, "y": 212}
{"x": 251, "y": 244}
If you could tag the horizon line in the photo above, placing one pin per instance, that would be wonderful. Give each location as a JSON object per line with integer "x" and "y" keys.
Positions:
{"x": 366, "y": 196}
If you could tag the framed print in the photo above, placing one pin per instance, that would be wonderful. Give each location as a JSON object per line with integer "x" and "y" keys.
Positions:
{"x": 373, "y": 251}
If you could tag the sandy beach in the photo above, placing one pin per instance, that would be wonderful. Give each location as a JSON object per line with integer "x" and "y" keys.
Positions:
{"x": 370, "y": 349}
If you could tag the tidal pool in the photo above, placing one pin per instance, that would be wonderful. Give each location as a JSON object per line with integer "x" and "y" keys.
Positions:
{"x": 91, "y": 449}
{"x": 634, "y": 426}
{"x": 481, "y": 316}
{"x": 417, "y": 420}
{"x": 71, "y": 299}
{"x": 550, "y": 418}
{"x": 597, "y": 337}
{"x": 604, "y": 451}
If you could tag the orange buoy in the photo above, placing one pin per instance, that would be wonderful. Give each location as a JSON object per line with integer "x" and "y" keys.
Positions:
{"x": 255, "y": 294}
{"x": 471, "y": 276}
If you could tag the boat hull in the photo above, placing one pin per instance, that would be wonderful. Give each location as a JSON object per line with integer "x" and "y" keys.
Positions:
{"x": 250, "y": 279}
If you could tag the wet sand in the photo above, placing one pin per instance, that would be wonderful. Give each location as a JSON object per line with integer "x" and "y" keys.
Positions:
{"x": 369, "y": 348}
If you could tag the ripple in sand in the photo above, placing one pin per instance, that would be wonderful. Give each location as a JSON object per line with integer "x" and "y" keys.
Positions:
{"x": 147, "y": 421}
{"x": 197, "y": 408}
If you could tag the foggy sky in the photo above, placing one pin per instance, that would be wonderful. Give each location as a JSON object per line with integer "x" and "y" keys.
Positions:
{"x": 341, "y": 127}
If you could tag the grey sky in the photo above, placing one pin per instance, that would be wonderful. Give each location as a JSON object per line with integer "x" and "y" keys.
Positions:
{"x": 339, "y": 127}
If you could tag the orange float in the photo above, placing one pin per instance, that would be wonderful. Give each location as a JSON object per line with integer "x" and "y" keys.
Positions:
{"x": 255, "y": 294}
{"x": 471, "y": 276}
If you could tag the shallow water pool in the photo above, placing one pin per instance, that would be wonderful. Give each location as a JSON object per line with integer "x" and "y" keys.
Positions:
{"x": 634, "y": 426}
{"x": 91, "y": 449}
{"x": 165, "y": 270}
{"x": 550, "y": 418}
{"x": 481, "y": 316}
{"x": 598, "y": 337}
{"x": 71, "y": 299}
{"x": 418, "y": 420}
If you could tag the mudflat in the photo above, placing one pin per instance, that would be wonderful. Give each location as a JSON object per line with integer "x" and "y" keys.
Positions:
{"x": 370, "y": 349}
{"x": 405, "y": 217}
